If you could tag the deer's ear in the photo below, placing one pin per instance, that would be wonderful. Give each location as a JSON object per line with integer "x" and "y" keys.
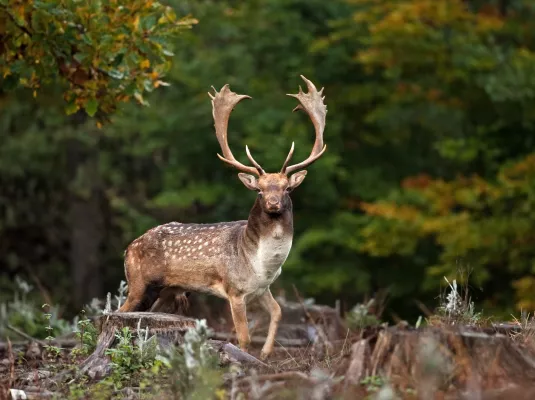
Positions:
{"x": 249, "y": 181}
{"x": 296, "y": 179}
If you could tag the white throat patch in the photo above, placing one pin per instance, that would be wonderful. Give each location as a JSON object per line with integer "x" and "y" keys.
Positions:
{"x": 273, "y": 249}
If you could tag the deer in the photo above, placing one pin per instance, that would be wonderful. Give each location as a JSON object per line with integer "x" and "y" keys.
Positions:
{"x": 239, "y": 260}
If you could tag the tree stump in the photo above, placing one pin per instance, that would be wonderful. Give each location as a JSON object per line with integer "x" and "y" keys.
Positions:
{"x": 442, "y": 359}
{"x": 169, "y": 326}
{"x": 168, "y": 329}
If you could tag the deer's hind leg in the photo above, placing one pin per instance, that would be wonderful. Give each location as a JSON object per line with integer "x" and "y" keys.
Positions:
{"x": 142, "y": 292}
{"x": 141, "y": 296}
{"x": 134, "y": 300}
{"x": 171, "y": 300}
{"x": 136, "y": 284}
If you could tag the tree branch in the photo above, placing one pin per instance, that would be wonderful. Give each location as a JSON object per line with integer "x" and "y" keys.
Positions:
{"x": 21, "y": 27}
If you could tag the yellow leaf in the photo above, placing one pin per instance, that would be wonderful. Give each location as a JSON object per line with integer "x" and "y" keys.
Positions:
{"x": 160, "y": 83}
{"x": 99, "y": 125}
{"x": 145, "y": 64}
{"x": 34, "y": 93}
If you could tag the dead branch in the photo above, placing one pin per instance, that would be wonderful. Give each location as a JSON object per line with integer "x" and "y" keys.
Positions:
{"x": 321, "y": 338}
{"x": 11, "y": 358}
{"x": 62, "y": 343}
{"x": 25, "y": 335}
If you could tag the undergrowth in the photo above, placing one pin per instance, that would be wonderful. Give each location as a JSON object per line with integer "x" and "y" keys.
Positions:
{"x": 24, "y": 315}
{"x": 139, "y": 364}
{"x": 456, "y": 306}
{"x": 143, "y": 367}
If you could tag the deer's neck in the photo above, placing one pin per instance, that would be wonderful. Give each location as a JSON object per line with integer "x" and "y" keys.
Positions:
{"x": 267, "y": 240}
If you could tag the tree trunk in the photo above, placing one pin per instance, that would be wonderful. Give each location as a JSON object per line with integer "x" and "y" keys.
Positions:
{"x": 86, "y": 222}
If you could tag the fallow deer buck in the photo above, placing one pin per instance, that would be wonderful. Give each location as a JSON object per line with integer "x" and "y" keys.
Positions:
{"x": 238, "y": 260}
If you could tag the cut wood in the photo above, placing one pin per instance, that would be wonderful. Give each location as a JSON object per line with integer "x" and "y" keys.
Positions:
{"x": 234, "y": 353}
{"x": 158, "y": 323}
{"x": 360, "y": 353}
{"x": 442, "y": 357}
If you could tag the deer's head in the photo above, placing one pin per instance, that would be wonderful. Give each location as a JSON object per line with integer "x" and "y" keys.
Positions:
{"x": 273, "y": 188}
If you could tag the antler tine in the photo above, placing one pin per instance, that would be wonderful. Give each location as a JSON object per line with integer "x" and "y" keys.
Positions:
{"x": 312, "y": 103}
{"x": 223, "y": 102}
{"x": 253, "y": 161}
{"x": 288, "y": 157}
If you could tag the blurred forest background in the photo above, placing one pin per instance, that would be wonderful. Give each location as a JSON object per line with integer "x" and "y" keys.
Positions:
{"x": 430, "y": 166}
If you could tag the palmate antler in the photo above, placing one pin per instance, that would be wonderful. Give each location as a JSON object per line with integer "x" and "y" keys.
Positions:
{"x": 224, "y": 101}
{"x": 312, "y": 103}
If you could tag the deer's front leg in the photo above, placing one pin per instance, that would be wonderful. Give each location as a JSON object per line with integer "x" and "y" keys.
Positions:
{"x": 239, "y": 317}
{"x": 272, "y": 307}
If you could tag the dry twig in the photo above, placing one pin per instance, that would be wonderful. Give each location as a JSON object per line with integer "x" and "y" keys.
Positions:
{"x": 25, "y": 335}
{"x": 319, "y": 329}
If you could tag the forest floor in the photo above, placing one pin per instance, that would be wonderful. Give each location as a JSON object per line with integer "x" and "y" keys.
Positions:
{"x": 318, "y": 355}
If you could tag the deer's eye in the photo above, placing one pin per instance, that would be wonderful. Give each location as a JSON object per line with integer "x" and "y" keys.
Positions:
{"x": 260, "y": 193}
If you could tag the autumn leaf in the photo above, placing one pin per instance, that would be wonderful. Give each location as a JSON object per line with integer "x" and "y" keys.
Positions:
{"x": 81, "y": 46}
{"x": 91, "y": 107}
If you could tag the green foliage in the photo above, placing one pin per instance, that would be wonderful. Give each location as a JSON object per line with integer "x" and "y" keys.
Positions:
{"x": 452, "y": 79}
{"x": 82, "y": 390}
{"x": 360, "y": 317}
{"x": 373, "y": 383}
{"x": 129, "y": 357}
{"x": 51, "y": 350}
{"x": 484, "y": 223}
{"x": 190, "y": 371}
{"x": 104, "y": 52}
{"x": 429, "y": 133}
{"x": 87, "y": 334}
{"x": 456, "y": 309}
{"x": 194, "y": 372}
{"x": 25, "y": 315}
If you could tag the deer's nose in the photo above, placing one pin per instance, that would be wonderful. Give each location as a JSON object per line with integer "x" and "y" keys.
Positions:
{"x": 272, "y": 201}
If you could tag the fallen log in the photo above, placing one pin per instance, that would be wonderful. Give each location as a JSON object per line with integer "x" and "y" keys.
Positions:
{"x": 234, "y": 354}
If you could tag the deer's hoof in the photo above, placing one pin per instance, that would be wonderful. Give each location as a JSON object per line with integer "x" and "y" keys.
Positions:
{"x": 264, "y": 355}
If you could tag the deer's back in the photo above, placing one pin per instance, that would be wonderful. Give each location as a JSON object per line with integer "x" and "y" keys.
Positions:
{"x": 186, "y": 255}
